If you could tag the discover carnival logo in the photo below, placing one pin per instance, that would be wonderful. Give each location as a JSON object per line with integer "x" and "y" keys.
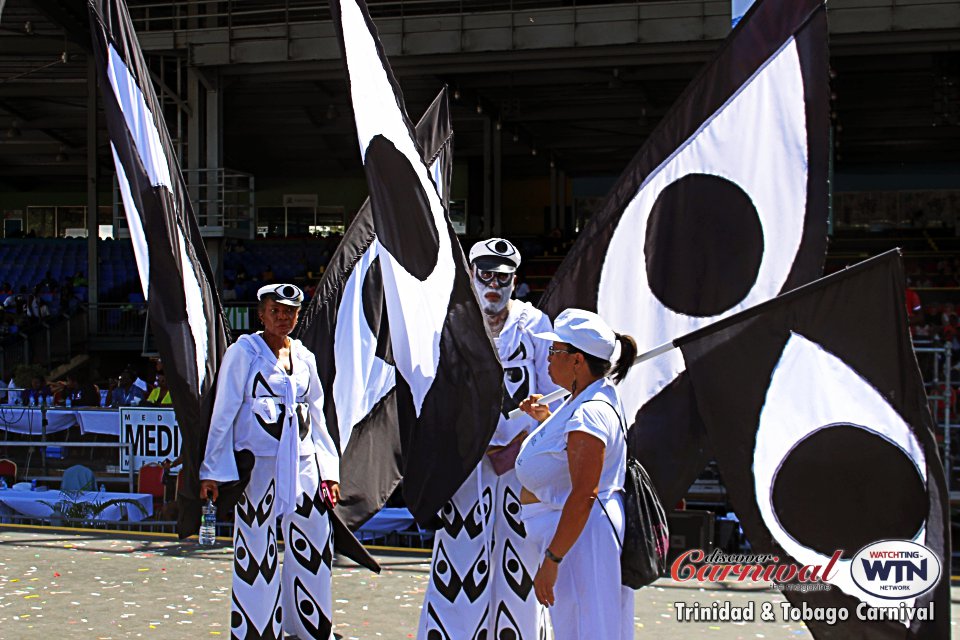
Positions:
{"x": 887, "y": 569}
{"x": 895, "y": 569}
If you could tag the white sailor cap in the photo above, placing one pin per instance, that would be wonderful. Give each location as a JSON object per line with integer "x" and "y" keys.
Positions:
{"x": 283, "y": 293}
{"x": 495, "y": 254}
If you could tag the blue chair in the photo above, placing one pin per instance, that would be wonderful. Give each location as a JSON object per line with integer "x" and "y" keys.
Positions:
{"x": 78, "y": 478}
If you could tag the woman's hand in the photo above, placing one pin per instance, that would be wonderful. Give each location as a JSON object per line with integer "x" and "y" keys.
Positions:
{"x": 532, "y": 407}
{"x": 209, "y": 488}
{"x": 544, "y": 581}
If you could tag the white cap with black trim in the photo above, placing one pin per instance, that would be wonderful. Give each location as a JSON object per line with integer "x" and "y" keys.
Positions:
{"x": 283, "y": 293}
{"x": 495, "y": 254}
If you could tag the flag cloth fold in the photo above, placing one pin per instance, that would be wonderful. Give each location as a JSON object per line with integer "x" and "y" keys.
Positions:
{"x": 186, "y": 316}
{"x": 725, "y": 206}
{"x": 816, "y": 412}
{"x": 448, "y": 377}
{"x": 346, "y": 326}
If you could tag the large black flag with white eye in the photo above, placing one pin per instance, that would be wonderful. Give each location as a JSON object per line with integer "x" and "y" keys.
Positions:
{"x": 346, "y": 327}
{"x": 726, "y": 203}
{"x": 449, "y": 380}
{"x": 186, "y": 316}
{"x": 816, "y": 412}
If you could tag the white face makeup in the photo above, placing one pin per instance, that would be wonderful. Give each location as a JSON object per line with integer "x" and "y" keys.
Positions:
{"x": 494, "y": 296}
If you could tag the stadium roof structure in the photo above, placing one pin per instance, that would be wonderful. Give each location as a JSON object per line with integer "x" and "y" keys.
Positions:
{"x": 571, "y": 84}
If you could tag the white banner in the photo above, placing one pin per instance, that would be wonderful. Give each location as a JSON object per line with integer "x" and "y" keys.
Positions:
{"x": 153, "y": 432}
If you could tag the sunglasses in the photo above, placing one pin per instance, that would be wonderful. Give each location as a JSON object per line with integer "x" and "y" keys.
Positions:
{"x": 552, "y": 351}
{"x": 486, "y": 277}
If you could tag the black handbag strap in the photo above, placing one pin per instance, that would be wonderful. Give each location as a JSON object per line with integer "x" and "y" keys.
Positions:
{"x": 623, "y": 429}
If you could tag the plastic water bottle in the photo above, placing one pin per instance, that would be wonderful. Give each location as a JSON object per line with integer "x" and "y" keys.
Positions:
{"x": 3, "y": 483}
{"x": 208, "y": 524}
{"x": 69, "y": 401}
{"x": 33, "y": 485}
{"x": 103, "y": 488}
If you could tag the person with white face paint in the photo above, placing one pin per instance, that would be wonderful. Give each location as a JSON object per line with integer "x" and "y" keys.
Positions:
{"x": 481, "y": 579}
{"x": 269, "y": 406}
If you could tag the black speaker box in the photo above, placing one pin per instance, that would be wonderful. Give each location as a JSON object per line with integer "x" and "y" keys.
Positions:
{"x": 690, "y": 529}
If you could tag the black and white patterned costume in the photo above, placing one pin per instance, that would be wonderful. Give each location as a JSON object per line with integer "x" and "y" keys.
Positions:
{"x": 279, "y": 419}
{"x": 481, "y": 579}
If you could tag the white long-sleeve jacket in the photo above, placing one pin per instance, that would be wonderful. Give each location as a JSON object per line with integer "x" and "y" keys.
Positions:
{"x": 253, "y": 407}
{"x": 524, "y": 360}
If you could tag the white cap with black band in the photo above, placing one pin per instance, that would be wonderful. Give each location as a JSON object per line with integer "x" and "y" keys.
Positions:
{"x": 283, "y": 293}
{"x": 495, "y": 254}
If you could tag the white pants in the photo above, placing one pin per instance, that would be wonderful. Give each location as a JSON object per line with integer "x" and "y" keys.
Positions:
{"x": 589, "y": 601}
{"x": 481, "y": 578}
{"x": 299, "y": 602}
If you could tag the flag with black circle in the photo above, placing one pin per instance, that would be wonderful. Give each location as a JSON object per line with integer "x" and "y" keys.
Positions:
{"x": 449, "y": 380}
{"x": 346, "y": 326}
{"x": 723, "y": 207}
{"x": 816, "y": 412}
{"x": 186, "y": 316}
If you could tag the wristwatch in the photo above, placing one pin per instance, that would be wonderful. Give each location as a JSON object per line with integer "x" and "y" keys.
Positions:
{"x": 552, "y": 556}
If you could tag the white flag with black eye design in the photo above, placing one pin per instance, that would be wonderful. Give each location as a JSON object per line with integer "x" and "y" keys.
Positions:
{"x": 448, "y": 376}
{"x": 186, "y": 316}
{"x": 346, "y": 327}
{"x": 816, "y": 413}
{"x": 726, "y": 204}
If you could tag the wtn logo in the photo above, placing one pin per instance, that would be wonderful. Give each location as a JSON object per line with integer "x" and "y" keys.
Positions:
{"x": 902, "y": 569}
{"x": 895, "y": 569}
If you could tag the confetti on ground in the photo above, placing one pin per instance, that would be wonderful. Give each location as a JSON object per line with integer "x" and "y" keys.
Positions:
{"x": 160, "y": 588}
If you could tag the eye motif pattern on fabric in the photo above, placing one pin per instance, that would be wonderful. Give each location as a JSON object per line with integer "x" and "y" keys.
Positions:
{"x": 445, "y": 576}
{"x": 306, "y": 554}
{"x": 507, "y": 627}
{"x": 511, "y": 511}
{"x": 479, "y": 515}
{"x": 516, "y": 574}
{"x": 272, "y": 424}
{"x": 516, "y": 383}
{"x": 435, "y": 628}
{"x": 247, "y": 567}
{"x": 476, "y": 579}
{"x": 309, "y": 503}
{"x": 242, "y": 625}
{"x": 248, "y": 514}
{"x": 311, "y": 615}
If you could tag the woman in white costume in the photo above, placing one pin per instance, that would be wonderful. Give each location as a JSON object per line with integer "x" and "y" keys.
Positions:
{"x": 572, "y": 469}
{"x": 481, "y": 580}
{"x": 269, "y": 404}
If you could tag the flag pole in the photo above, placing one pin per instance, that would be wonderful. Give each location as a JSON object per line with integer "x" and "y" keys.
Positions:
{"x": 563, "y": 393}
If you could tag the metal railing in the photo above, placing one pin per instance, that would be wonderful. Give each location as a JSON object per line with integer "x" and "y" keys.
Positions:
{"x": 120, "y": 319}
{"x": 936, "y": 366}
{"x": 220, "y": 198}
{"x": 184, "y": 15}
{"x": 53, "y": 339}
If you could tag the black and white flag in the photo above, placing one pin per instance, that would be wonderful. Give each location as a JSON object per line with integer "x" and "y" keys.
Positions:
{"x": 724, "y": 207}
{"x": 449, "y": 380}
{"x": 186, "y": 316}
{"x": 816, "y": 412}
{"x": 346, "y": 327}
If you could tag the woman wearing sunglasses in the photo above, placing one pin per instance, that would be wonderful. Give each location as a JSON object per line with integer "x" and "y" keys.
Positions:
{"x": 477, "y": 588}
{"x": 269, "y": 407}
{"x": 572, "y": 468}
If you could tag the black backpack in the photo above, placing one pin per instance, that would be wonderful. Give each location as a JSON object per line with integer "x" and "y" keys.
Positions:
{"x": 646, "y": 536}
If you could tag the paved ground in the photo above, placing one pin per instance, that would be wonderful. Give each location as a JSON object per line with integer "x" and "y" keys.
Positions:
{"x": 81, "y": 585}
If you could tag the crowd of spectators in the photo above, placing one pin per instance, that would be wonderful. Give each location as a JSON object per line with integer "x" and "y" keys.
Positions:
{"x": 30, "y": 386}
{"x": 29, "y": 307}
